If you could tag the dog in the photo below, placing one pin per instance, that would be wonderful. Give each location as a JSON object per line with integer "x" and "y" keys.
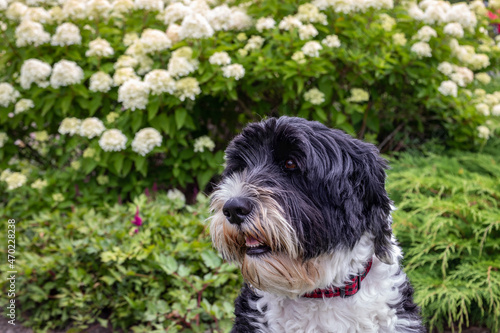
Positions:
{"x": 302, "y": 210}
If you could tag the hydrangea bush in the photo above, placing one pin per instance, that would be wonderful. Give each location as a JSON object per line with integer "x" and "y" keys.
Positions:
{"x": 118, "y": 96}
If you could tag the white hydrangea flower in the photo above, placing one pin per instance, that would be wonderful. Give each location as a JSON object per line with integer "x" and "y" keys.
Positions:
{"x": 299, "y": 57}
{"x": 98, "y": 8}
{"x": 446, "y": 68}
{"x": 399, "y": 39}
{"x": 195, "y": 26}
{"x": 176, "y": 196}
{"x": 31, "y": 33}
{"x": 235, "y": 71}
{"x": 5, "y": 174}
{"x": 220, "y": 58}
{"x": 34, "y": 71}
{"x": 69, "y": 126}
{"x": 454, "y": 29}
{"x": 187, "y": 87}
{"x": 239, "y": 19}
{"x": 331, "y": 41}
{"x": 436, "y": 12}
{"x": 181, "y": 66}
{"x": 160, "y": 81}
{"x": 478, "y": 61}
{"x": 37, "y": 14}
{"x": 203, "y": 142}
{"x": 150, "y": 5}
{"x": 74, "y": 9}
{"x": 175, "y": 12}
{"x": 173, "y": 32}
{"x": 125, "y": 61}
{"x": 307, "y": 31}
{"x": 134, "y": 94}
{"x": 154, "y": 40}
{"x": 145, "y": 140}
{"x": 289, "y": 22}
{"x": 65, "y": 73}
{"x": 254, "y": 43}
{"x": 416, "y": 13}
{"x": 66, "y": 34}
{"x": 130, "y": 38}
{"x": 219, "y": 17}
{"x": 422, "y": 49}
{"x": 265, "y": 23}
{"x": 462, "y": 76}
{"x": 91, "y": 127}
{"x": 478, "y": 7}
{"x": 387, "y": 22}
{"x": 56, "y": 14}
{"x": 425, "y": 34}
{"x": 100, "y": 82}
{"x": 312, "y": 49}
{"x": 358, "y": 95}
{"x": 15, "y": 180}
{"x": 121, "y": 7}
{"x": 483, "y": 109}
{"x": 461, "y": 13}
{"x": 495, "y": 111}
{"x": 16, "y": 11}
{"x": 483, "y": 78}
{"x": 3, "y": 139}
{"x": 22, "y": 105}
{"x": 483, "y": 132}
{"x": 309, "y": 13}
{"x": 448, "y": 88}
{"x": 99, "y": 48}
{"x": 113, "y": 140}
{"x": 39, "y": 184}
{"x": 314, "y": 96}
{"x": 124, "y": 74}
{"x": 8, "y": 94}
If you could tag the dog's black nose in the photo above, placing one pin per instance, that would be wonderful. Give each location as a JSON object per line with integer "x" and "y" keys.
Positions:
{"x": 236, "y": 209}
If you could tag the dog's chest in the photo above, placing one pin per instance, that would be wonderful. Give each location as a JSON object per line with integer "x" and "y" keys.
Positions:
{"x": 367, "y": 311}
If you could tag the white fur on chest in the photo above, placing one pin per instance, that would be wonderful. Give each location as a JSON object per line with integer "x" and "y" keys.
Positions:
{"x": 367, "y": 311}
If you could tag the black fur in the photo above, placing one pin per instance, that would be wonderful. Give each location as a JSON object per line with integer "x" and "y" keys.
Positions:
{"x": 338, "y": 189}
{"x": 245, "y": 315}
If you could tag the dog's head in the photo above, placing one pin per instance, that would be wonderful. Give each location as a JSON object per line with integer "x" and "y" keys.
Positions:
{"x": 293, "y": 192}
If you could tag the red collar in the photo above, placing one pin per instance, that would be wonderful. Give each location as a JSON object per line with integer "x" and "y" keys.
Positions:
{"x": 348, "y": 290}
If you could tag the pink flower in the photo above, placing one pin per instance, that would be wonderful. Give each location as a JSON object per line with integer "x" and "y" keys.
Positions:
{"x": 137, "y": 219}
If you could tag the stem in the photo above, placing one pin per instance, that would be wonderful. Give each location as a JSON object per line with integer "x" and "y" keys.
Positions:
{"x": 365, "y": 118}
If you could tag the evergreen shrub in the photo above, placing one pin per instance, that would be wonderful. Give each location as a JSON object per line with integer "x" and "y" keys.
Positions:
{"x": 448, "y": 223}
{"x": 100, "y": 98}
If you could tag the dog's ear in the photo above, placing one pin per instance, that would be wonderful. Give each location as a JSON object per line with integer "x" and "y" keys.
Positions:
{"x": 356, "y": 184}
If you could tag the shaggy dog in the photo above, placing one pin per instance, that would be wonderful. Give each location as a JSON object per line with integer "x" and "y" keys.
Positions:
{"x": 302, "y": 210}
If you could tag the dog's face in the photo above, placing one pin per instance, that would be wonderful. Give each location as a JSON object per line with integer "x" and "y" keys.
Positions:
{"x": 292, "y": 193}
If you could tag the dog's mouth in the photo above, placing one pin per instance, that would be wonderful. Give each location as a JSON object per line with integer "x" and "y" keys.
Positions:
{"x": 255, "y": 246}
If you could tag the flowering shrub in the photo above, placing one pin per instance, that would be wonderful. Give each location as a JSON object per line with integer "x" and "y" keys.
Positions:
{"x": 133, "y": 94}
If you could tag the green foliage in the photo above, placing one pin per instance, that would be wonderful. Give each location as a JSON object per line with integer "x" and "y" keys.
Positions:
{"x": 91, "y": 264}
{"x": 448, "y": 224}
{"x": 404, "y": 102}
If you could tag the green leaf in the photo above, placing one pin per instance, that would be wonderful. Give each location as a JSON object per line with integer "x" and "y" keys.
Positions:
{"x": 180, "y": 117}
{"x": 153, "y": 107}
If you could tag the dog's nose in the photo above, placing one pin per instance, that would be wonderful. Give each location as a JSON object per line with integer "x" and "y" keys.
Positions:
{"x": 236, "y": 209}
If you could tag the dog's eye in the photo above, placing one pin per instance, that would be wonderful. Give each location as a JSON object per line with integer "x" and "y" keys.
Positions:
{"x": 290, "y": 164}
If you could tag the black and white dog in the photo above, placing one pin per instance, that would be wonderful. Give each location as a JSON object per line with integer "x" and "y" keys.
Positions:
{"x": 302, "y": 210}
